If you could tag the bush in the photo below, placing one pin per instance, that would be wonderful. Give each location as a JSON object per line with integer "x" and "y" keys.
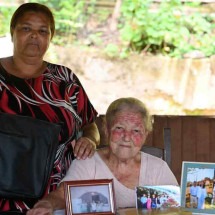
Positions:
{"x": 5, "y": 16}
{"x": 167, "y": 30}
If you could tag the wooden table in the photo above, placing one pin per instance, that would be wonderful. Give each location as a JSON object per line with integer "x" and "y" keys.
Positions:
{"x": 167, "y": 211}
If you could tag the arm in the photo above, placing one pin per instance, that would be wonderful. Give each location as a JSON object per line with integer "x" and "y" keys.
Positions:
{"x": 55, "y": 200}
{"x": 91, "y": 131}
{"x": 86, "y": 145}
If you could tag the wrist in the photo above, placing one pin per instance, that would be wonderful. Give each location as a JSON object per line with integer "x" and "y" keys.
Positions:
{"x": 92, "y": 141}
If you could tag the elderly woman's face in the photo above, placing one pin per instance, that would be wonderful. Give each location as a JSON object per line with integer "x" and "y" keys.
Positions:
{"x": 32, "y": 35}
{"x": 127, "y": 134}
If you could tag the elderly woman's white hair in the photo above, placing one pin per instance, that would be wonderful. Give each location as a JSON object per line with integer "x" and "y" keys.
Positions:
{"x": 131, "y": 104}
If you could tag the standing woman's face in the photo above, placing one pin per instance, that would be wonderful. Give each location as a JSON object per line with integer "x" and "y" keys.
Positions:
{"x": 31, "y": 35}
{"x": 127, "y": 134}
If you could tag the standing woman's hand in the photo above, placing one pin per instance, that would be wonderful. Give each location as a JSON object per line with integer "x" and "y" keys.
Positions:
{"x": 86, "y": 145}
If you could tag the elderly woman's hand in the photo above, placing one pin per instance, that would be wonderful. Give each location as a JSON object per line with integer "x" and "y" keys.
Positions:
{"x": 84, "y": 147}
{"x": 41, "y": 208}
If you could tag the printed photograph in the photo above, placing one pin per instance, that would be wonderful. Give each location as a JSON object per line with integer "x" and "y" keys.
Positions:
{"x": 157, "y": 197}
{"x": 198, "y": 186}
{"x": 88, "y": 199}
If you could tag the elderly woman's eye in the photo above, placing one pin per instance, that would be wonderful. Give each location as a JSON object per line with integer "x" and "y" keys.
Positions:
{"x": 136, "y": 130}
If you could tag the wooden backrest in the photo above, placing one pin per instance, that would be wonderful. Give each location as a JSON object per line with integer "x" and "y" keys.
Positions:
{"x": 158, "y": 152}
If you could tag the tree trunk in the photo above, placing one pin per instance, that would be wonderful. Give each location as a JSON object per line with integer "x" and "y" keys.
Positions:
{"x": 115, "y": 16}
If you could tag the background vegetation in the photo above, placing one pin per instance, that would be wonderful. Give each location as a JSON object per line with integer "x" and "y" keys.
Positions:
{"x": 171, "y": 28}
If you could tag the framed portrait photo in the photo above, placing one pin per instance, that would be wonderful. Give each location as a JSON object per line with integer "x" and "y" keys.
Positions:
{"x": 90, "y": 197}
{"x": 198, "y": 187}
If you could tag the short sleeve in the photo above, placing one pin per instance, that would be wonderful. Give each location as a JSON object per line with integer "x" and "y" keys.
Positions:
{"x": 80, "y": 101}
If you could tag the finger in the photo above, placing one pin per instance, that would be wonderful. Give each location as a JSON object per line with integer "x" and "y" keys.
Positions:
{"x": 89, "y": 150}
{"x": 80, "y": 148}
{"x": 93, "y": 149}
{"x": 86, "y": 148}
{"x": 77, "y": 147}
{"x": 92, "y": 152}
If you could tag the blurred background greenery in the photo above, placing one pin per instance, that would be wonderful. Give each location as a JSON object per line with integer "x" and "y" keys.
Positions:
{"x": 161, "y": 51}
{"x": 171, "y": 28}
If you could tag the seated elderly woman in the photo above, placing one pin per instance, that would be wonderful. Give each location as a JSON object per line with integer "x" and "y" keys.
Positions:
{"x": 127, "y": 125}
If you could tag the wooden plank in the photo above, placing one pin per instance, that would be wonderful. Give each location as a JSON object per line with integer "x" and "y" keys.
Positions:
{"x": 175, "y": 124}
{"x": 189, "y": 138}
{"x": 212, "y": 140}
{"x": 148, "y": 141}
{"x": 160, "y": 122}
{"x": 202, "y": 139}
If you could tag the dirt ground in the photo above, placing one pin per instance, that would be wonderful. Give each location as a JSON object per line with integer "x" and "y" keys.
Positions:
{"x": 164, "y": 91}
{"x": 105, "y": 80}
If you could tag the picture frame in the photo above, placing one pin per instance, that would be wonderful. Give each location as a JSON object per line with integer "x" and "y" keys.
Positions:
{"x": 87, "y": 197}
{"x": 198, "y": 187}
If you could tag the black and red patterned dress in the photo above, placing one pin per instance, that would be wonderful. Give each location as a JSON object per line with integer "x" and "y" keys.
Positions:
{"x": 55, "y": 96}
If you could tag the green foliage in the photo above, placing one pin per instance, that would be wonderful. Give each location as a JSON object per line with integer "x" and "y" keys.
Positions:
{"x": 69, "y": 17}
{"x": 5, "y": 16}
{"x": 112, "y": 50}
{"x": 168, "y": 29}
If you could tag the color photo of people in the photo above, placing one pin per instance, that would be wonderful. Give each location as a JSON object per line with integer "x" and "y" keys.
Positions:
{"x": 157, "y": 197}
{"x": 200, "y": 189}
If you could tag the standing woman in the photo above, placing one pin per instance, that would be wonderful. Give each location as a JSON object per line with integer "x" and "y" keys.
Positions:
{"x": 154, "y": 201}
{"x": 30, "y": 86}
{"x": 201, "y": 195}
{"x": 149, "y": 202}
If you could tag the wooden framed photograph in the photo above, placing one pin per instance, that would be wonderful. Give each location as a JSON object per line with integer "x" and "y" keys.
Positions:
{"x": 90, "y": 197}
{"x": 198, "y": 187}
